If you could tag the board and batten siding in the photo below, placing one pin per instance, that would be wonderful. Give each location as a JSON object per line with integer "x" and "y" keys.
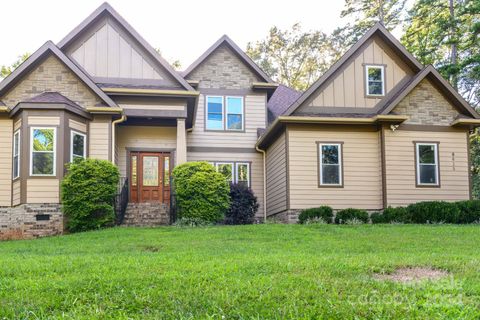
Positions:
{"x": 99, "y": 138}
{"x": 400, "y": 167}
{"x": 6, "y": 136}
{"x": 256, "y": 168}
{"x": 361, "y": 168}
{"x": 158, "y": 138}
{"x": 43, "y": 190}
{"x": 276, "y": 162}
{"x": 347, "y": 89}
{"x": 255, "y": 117}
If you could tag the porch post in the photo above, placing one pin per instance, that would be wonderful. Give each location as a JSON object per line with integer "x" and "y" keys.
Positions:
{"x": 181, "y": 155}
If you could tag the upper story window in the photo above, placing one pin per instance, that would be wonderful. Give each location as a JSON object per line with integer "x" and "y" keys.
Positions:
{"x": 16, "y": 154}
{"x": 77, "y": 146}
{"x": 375, "y": 80}
{"x": 42, "y": 151}
{"x": 330, "y": 164}
{"x": 427, "y": 164}
{"x": 224, "y": 113}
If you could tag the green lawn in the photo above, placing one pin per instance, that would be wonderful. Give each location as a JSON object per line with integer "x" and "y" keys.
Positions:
{"x": 244, "y": 272}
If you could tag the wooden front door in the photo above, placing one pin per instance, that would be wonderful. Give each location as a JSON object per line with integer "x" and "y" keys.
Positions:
{"x": 150, "y": 177}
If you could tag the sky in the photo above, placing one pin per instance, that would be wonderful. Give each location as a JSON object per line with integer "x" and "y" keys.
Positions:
{"x": 181, "y": 29}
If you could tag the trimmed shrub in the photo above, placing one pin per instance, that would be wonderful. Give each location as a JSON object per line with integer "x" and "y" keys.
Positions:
{"x": 345, "y": 215}
{"x": 88, "y": 191}
{"x": 243, "y": 205}
{"x": 469, "y": 211}
{"x": 434, "y": 212}
{"x": 323, "y": 212}
{"x": 201, "y": 192}
{"x": 390, "y": 215}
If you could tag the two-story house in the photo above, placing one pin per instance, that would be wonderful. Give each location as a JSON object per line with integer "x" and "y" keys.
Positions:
{"x": 378, "y": 129}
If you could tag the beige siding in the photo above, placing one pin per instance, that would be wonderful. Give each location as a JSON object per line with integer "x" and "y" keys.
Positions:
{"x": 256, "y": 168}
{"x": 43, "y": 121}
{"x": 400, "y": 167}
{"x": 43, "y": 191}
{"x": 6, "y": 136}
{"x": 277, "y": 176}
{"x": 78, "y": 126}
{"x": 255, "y": 117}
{"x": 347, "y": 89}
{"x": 16, "y": 193}
{"x": 361, "y": 168}
{"x": 99, "y": 138}
{"x": 17, "y": 125}
{"x": 143, "y": 137}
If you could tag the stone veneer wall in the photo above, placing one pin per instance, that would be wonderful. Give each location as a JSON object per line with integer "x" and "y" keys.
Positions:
{"x": 223, "y": 70}
{"x": 426, "y": 105}
{"x": 21, "y": 222}
{"x": 51, "y": 75}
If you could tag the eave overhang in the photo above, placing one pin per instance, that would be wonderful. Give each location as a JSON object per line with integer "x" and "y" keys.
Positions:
{"x": 281, "y": 121}
{"x": 472, "y": 123}
{"x": 104, "y": 110}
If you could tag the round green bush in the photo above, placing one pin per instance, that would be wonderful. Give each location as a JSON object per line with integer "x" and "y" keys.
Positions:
{"x": 349, "y": 214}
{"x": 200, "y": 191}
{"x": 88, "y": 191}
{"x": 324, "y": 212}
{"x": 434, "y": 212}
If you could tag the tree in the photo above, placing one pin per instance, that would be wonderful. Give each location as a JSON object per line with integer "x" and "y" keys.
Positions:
{"x": 293, "y": 57}
{"x": 6, "y": 70}
{"x": 176, "y": 64}
{"x": 365, "y": 13}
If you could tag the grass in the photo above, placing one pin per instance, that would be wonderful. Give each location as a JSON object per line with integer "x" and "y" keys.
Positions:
{"x": 242, "y": 272}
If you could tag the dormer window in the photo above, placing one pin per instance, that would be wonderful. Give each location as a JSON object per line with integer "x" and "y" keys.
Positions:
{"x": 375, "y": 80}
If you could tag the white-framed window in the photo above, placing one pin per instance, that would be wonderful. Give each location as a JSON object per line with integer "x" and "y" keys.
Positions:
{"x": 234, "y": 113}
{"x": 242, "y": 173}
{"x": 235, "y": 172}
{"x": 225, "y": 168}
{"x": 16, "y": 154}
{"x": 43, "y": 151}
{"x": 375, "y": 80}
{"x": 78, "y": 146}
{"x": 224, "y": 113}
{"x": 330, "y": 164}
{"x": 215, "y": 112}
{"x": 427, "y": 164}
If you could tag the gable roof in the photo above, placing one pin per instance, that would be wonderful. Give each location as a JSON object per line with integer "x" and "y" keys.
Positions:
{"x": 377, "y": 29}
{"x": 107, "y": 9}
{"x": 431, "y": 73}
{"x": 236, "y": 49}
{"x": 50, "y": 48}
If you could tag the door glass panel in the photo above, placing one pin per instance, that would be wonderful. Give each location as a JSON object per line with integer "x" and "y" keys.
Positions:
{"x": 150, "y": 171}
{"x": 134, "y": 171}
{"x": 166, "y": 171}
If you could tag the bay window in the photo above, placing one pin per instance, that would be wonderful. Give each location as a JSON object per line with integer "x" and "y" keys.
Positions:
{"x": 78, "y": 148}
{"x": 16, "y": 154}
{"x": 42, "y": 151}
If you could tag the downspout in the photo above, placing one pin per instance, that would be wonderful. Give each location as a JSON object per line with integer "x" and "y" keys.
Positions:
{"x": 114, "y": 123}
{"x": 264, "y": 184}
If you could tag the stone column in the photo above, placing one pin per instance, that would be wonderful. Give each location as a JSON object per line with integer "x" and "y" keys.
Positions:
{"x": 181, "y": 155}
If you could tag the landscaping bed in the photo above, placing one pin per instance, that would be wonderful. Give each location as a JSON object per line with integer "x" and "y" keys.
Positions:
{"x": 255, "y": 271}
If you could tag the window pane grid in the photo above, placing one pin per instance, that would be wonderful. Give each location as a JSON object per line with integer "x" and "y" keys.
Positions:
{"x": 427, "y": 164}
{"x": 43, "y": 144}
{"x": 330, "y": 164}
{"x": 375, "y": 80}
{"x": 234, "y": 172}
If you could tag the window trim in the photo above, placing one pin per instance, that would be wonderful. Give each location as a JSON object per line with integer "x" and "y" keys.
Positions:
{"x": 54, "y": 174}
{"x": 376, "y": 66}
{"x": 234, "y": 170}
{"x": 248, "y": 174}
{"x": 416, "y": 145}
{"x": 206, "y": 113}
{"x": 15, "y": 134}
{"x": 243, "y": 113}
{"x": 340, "y": 163}
{"x": 72, "y": 134}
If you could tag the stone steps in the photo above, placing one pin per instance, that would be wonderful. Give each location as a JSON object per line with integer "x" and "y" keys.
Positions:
{"x": 146, "y": 215}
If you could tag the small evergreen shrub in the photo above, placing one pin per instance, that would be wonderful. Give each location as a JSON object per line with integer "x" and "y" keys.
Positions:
{"x": 323, "y": 212}
{"x": 377, "y": 217}
{"x": 434, "y": 212}
{"x": 392, "y": 215}
{"x": 345, "y": 215}
{"x": 243, "y": 205}
{"x": 201, "y": 192}
{"x": 469, "y": 211}
{"x": 88, "y": 191}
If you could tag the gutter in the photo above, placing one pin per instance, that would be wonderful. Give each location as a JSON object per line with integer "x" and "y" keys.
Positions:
{"x": 114, "y": 123}
{"x": 264, "y": 184}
